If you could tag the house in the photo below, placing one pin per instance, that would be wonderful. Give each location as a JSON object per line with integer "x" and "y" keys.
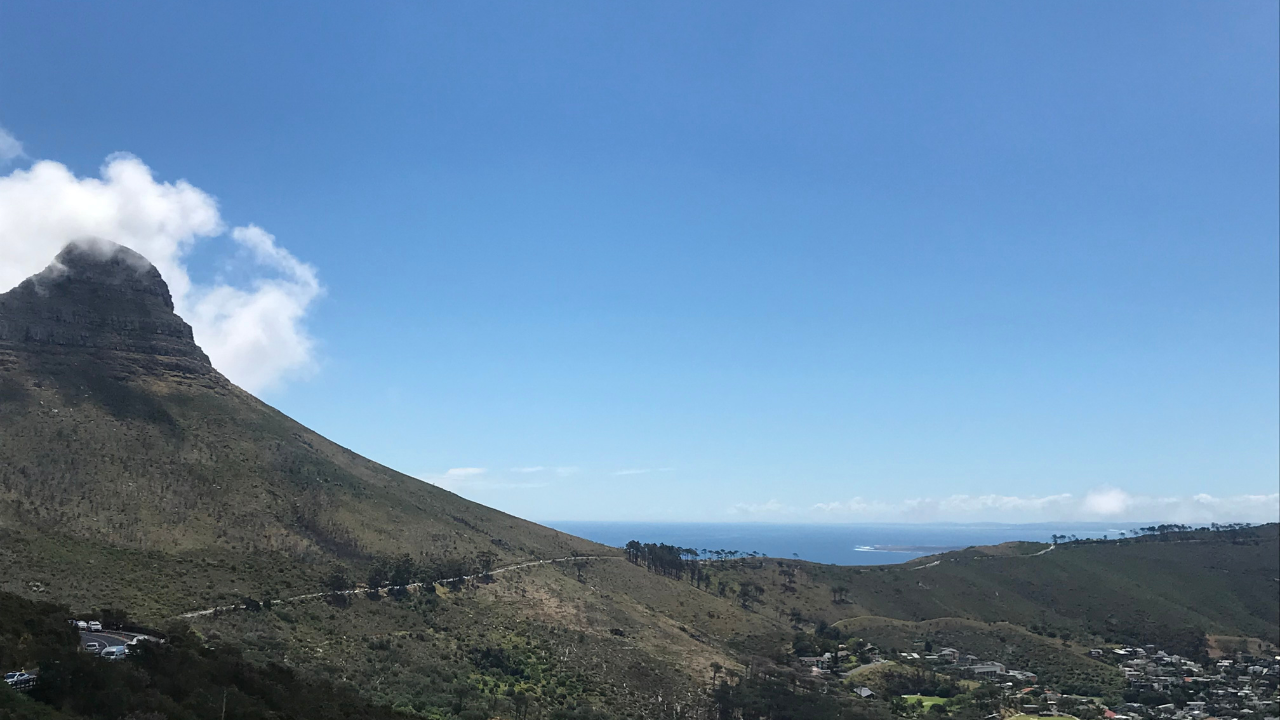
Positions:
{"x": 865, "y": 693}
{"x": 988, "y": 668}
{"x": 949, "y": 654}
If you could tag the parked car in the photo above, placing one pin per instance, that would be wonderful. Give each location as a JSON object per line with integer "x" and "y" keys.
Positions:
{"x": 115, "y": 652}
{"x": 95, "y": 626}
{"x": 16, "y": 678}
{"x": 93, "y": 646}
{"x": 82, "y": 625}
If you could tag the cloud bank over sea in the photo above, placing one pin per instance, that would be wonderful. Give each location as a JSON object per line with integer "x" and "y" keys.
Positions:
{"x": 1099, "y": 504}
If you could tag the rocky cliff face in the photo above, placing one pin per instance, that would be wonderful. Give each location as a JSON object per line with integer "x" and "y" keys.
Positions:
{"x": 105, "y": 300}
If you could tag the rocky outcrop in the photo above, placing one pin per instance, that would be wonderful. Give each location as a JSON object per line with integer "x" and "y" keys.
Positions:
{"x": 104, "y": 299}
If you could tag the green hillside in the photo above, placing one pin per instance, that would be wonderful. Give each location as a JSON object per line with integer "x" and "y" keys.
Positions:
{"x": 1167, "y": 589}
{"x": 1055, "y": 662}
{"x": 179, "y": 680}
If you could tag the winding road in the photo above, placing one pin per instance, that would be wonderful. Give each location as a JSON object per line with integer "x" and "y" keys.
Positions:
{"x": 356, "y": 591}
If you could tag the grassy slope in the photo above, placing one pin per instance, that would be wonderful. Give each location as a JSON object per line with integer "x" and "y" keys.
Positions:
{"x": 1055, "y": 662}
{"x": 160, "y": 493}
{"x": 588, "y": 631}
{"x": 1097, "y": 590}
{"x": 155, "y": 460}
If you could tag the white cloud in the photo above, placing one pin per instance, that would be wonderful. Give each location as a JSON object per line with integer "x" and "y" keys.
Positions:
{"x": 10, "y": 148}
{"x": 254, "y": 335}
{"x": 562, "y": 471}
{"x": 454, "y": 479}
{"x": 1100, "y": 504}
{"x": 460, "y": 480}
{"x": 1106, "y": 502}
{"x": 773, "y": 507}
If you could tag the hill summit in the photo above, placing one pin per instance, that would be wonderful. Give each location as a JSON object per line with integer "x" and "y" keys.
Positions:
{"x": 97, "y": 294}
{"x": 104, "y": 299}
{"x": 115, "y": 426}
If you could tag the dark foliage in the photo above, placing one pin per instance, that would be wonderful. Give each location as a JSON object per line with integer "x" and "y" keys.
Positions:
{"x": 181, "y": 679}
{"x": 919, "y": 682}
{"x": 778, "y": 699}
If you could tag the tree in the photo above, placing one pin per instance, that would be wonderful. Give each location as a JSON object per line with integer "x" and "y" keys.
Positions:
{"x": 403, "y": 571}
{"x": 338, "y": 581}
{"x": 749, "y": 593}
{"x": 839, "y": 594}
{"x": 634, "y": 551}
{"x": 378, "y": 574}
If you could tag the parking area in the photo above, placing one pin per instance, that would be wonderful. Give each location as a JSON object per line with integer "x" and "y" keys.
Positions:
{"x": 99, "y": 640}
{"x": 92, "y": 641}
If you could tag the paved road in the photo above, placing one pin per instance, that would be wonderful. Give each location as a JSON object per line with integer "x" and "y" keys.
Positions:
{"x": 496, "y": 571}
{"x": 106, "y": 638}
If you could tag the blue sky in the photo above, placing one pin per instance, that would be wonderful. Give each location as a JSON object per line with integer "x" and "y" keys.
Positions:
{"x": 737, "y": 261}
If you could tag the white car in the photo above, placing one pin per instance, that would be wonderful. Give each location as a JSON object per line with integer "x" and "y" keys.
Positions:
{"x": 95, "y": 626}
{"x": 16, "y": 678}
{"x": 93, "y": 646}
{"x": 115, "y": 652}
{"x": 82, "y": 625}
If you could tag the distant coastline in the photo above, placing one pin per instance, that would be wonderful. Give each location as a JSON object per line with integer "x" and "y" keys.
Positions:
{"x": 851, "y": 544}
{"x": 928, "y": 549}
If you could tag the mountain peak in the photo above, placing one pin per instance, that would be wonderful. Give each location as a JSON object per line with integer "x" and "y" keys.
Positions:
{"x": 98, "y": 296}
{"x": 104, "y": 263}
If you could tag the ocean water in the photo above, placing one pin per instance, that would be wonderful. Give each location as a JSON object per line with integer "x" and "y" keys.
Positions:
{"x": 880, "y": 544}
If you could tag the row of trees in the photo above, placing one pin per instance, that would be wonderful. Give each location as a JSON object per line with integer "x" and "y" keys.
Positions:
{"x": 663, "y": 559}
{"x": 1164, "y": 531}
{"x": 406, "y": 570}
{"x": 681, "y": 563}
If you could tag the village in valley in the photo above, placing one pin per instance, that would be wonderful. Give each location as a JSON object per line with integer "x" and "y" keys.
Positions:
{"x": 1157, "y": 685}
